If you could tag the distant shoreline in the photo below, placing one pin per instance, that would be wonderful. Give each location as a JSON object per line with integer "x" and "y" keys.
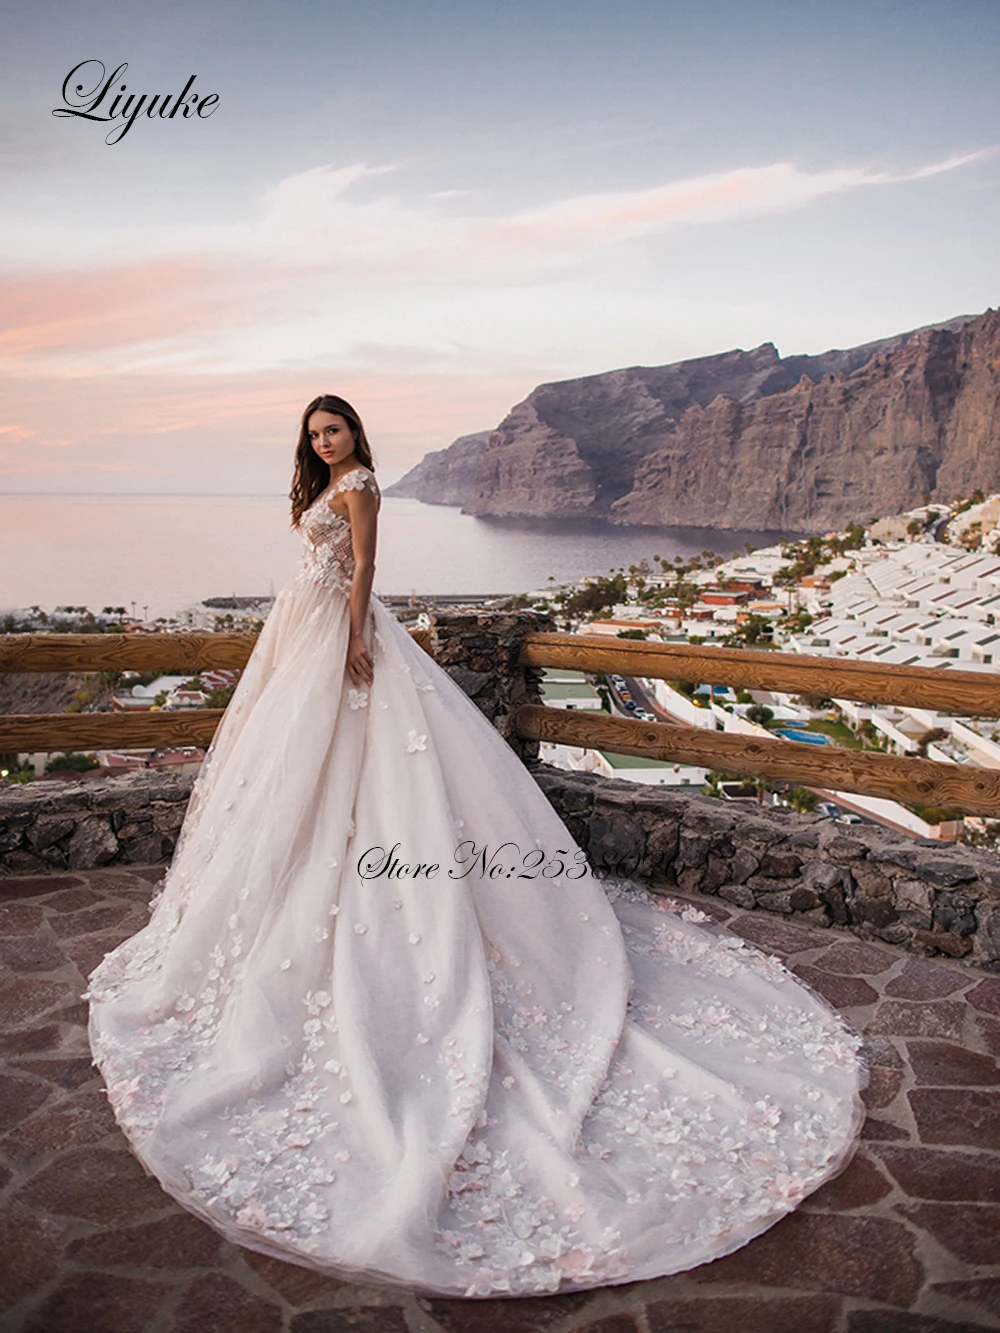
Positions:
{"x": 74, "y": 548}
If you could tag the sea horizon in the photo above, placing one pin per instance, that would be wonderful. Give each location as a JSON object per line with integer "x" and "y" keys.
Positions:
{"x": 172, "y": 550}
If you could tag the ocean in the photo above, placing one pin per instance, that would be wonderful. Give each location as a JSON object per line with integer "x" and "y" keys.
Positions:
{"x": 160, "y": 553}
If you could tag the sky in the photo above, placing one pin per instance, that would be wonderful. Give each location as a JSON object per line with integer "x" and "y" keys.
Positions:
{"x": 430, "y": 208}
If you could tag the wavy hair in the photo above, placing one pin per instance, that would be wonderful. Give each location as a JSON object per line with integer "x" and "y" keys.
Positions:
{"x": 312, "y": 475}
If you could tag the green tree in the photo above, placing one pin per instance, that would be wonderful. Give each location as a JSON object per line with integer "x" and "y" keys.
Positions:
{"x": 761, "y": 714}
{"x": 603, "y": 691}
{"x": 754, "y": 632}
{"x": 679, "y": 591}
{"x": 220, "y": 696}
{"x": 803, "y": 800}
{"x": 797, "y": 623}
{"x": 74, "y": 762}
{"x": 602, "y": 594}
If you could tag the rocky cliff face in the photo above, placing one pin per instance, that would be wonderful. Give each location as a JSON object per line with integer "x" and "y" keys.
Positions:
{"x": 446, "y": 476}
{"x": 922, "y": 418}
{"x": 38, "y": 691}
{"x": 744, "y": 439}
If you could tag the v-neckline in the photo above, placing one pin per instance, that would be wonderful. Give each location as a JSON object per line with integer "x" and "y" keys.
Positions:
{"x": 322, "y": 496}
{"x": 329, "y": 491}
{"x": 325, "y": 509}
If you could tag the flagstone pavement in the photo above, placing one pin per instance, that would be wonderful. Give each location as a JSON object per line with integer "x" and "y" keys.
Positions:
{"x": 906, "y": 1240}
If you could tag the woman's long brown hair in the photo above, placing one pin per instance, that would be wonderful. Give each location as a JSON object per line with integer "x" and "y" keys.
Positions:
{"x": 312, "y": 475}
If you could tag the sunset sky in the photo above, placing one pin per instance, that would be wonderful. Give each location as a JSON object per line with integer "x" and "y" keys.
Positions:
{"x": 431, "y": 208}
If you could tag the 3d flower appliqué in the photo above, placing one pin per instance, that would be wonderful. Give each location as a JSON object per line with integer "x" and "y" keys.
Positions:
{"x": 262, "y": 1044}
{"x": 354, "y": 481}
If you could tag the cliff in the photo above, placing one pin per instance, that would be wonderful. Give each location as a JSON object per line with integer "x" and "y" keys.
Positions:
{"x": 39, "y": 691}
{"x": 920, "y": 419}
{"x": 748, "y": 439}
{"x": 446, "y": 476}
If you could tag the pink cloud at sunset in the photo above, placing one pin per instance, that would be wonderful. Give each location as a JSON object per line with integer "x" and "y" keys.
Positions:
{"x": 311, "y": 248}
{"x": 82, "y": 312}
{"x": 725, "y": 196}
{"x": 434, "y": 209}
{"x": 187, "y": 368}
{"x": 222, "y": 434}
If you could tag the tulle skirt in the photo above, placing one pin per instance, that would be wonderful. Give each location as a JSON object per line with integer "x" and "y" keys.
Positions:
{"x": 386, "y": 1023}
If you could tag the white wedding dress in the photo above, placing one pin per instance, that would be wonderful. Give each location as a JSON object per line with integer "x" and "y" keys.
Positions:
{"x": 470, "y": 1085}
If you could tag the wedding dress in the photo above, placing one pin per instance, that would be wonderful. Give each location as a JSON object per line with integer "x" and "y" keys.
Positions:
{"x": 464, "y": 1081}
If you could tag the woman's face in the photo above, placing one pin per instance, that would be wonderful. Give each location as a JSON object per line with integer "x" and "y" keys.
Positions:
{"x": 330, "y": 436}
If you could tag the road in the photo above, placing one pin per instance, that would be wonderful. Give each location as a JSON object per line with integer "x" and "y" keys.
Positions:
{"x": 642, "y": 697}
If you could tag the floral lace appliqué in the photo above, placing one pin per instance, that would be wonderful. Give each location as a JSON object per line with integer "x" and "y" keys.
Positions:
{"x": 328, "y": 558}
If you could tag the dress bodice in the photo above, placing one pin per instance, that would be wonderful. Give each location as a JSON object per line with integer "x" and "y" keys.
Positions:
{"x": 328, "y": 557}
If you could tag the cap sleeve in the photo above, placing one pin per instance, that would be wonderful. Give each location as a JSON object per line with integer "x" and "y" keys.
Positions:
{"x": 358, "y": 479}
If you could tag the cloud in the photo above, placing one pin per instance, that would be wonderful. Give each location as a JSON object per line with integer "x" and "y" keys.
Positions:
{"x": 948, "y": 164}
{"x": 722, "y": 197}
{"x": 83, "y": 312}
{"x": 313, "y": 212}
{"x": 322, "y": 264}
{"x": 230, "y": 432}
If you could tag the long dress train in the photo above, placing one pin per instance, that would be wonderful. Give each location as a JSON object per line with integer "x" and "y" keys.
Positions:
{"x": 472, "y": 1081}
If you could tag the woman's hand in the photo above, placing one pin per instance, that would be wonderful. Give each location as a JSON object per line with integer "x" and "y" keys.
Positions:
{"x": 359, "y": 662}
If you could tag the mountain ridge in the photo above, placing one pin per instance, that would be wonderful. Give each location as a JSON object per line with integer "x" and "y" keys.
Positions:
{"x": 742, "y": 439}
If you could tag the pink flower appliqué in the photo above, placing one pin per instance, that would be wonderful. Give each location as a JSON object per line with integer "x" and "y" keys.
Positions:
{"x": 576, "y": 1264}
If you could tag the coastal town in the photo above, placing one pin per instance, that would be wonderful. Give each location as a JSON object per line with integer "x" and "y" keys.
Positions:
{"x": 921, "y": 588}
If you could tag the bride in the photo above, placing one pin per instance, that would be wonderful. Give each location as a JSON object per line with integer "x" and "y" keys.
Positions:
{"x": 347, "y": 1040}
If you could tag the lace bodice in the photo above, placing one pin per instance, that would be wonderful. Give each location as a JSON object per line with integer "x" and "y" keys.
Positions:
{"x": 328, "y": 557}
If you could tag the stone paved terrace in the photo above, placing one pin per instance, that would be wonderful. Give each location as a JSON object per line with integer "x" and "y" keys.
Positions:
{"x": 907, "y": 1240}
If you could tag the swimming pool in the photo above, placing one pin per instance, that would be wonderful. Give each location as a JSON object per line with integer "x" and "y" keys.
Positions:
{"x": 810, "y": 737}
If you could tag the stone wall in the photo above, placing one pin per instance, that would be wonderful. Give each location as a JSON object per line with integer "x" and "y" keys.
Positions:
{"x": 930, "y": 897}
{"x": 480, "y": 651}
{"x": 132, "y": 819}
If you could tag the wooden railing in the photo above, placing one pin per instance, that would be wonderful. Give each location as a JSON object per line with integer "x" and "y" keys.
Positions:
{"x": 964, "y": 787}
{"x": 41, "y": 732}
{"x": 183, "y": 653}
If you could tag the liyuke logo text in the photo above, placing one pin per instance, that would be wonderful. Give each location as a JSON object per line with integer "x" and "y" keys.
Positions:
{"x": 95, "y": 97}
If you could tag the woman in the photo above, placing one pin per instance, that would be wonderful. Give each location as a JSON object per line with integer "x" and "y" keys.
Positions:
{"x": 343, "y": 1041}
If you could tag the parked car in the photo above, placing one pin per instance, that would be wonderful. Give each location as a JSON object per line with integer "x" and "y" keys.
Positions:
{"x": 849, "y": 819}
{"x": 829, "y": 809}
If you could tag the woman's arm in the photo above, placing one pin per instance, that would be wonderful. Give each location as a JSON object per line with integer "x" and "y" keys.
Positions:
{"x": 362, "y": 509}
